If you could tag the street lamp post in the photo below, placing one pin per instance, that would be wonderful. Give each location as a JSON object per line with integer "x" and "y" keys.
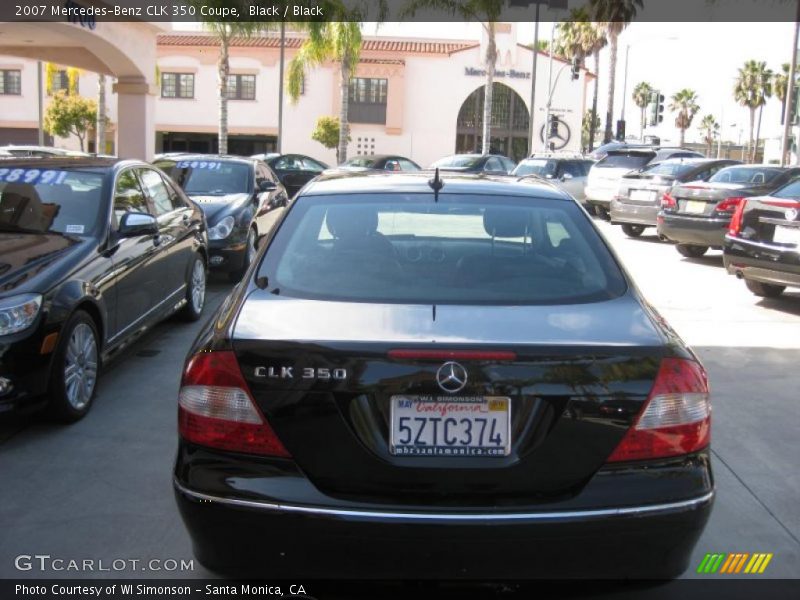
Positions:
{"x": 790, "y": 91}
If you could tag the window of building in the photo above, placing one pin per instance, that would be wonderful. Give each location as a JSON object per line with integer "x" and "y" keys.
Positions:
{"x": 368, "y": 100}
{"x": 177, "y": 85}
{"x": 60, "y": 82}
{"x": 242, "y": 87}
{"x": 10, "y": 81}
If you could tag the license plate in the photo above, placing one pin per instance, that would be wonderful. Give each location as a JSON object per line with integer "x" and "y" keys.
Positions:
{"x": 695, "y": 207}
{"x": 643, "y": 195}
{"x": 786, "y": 235}
{"x": 450, "y": 426}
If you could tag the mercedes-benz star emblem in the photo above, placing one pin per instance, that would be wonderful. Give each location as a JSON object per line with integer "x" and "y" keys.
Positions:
{"x": 451, "y": 377}
{"x": 791, "y": 214}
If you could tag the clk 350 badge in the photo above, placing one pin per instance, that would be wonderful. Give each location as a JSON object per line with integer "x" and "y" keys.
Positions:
{"x": 304, "y": 373}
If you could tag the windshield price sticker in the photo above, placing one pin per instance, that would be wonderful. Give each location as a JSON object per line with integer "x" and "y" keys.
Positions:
{"x": 198, "y": 164}
{"x": 33, "y": 176}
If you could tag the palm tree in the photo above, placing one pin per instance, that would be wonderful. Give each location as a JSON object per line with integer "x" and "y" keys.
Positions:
{"x": 339, "y": 41}
{"x": 615, "y": 16}
{"x": 685, "y": 104}
{"x": 710, "y": 129}
{"x": 752, "y": 88}
{"x": 487, "y": 12}
{"x": 641, "y": 98}
{"x": 780, "y": 82}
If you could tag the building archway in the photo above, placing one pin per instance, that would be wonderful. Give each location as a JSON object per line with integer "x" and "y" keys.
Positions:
{"x": 123, "y": 50}
{"x": 510, "y": 122}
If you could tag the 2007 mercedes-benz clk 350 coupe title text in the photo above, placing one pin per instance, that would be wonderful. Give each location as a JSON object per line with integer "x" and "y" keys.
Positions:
{"x": 425, "y": 377}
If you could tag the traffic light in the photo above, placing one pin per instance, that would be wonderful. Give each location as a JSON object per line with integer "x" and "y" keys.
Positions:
{"x": 656, "y": 108}
{"x": 621, "y": 130}
{"x": 576, "y": 68}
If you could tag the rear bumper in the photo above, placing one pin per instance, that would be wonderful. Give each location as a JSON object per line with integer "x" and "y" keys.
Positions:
{"x": 600, "y": 196}
{"x": 765, "y": 263}
{"x": 249, "y": 533}
{"x": 636, "y": 214}
{"x": 699, "y": 231}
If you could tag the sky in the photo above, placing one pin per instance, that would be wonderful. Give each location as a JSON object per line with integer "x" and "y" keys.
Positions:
{"x": 704, "y": 57}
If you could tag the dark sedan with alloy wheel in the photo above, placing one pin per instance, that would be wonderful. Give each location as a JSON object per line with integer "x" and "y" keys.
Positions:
{"x": 763, "y": 242}
{"x": 241, "y": 198}
{"x": 638, "y": 199}
{"x": 92, "y": 253}
{"x": 696, "y": 215}
{"x": 441, "y": 378}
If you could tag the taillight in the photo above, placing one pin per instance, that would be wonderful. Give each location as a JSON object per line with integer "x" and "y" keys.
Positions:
{"x": 668, "y": 201}
{"x": 215, "y": 408}
{"x": 676, "y": 418}
{"x": 736, "y": 220}
{"x": 729, "y": 204}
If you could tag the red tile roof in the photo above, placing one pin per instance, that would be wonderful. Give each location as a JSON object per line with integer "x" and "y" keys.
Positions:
{"x": 370, "y": 44}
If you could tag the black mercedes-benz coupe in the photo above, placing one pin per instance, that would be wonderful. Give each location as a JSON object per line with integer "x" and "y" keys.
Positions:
{"x": 241, "y": 198}
{"x": 441, "y": 378}
{"x": 92, "y": 253}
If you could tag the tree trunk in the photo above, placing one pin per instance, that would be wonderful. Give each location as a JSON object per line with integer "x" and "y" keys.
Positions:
{"x": 80, "y": 139}
{"x": 641, "y": 122}
{"x": 612, "y": 68}
{"x": 491, "y": 58}
{"x": 683, "y": 136}
{"x": 344, "y": 123}
{"x": 758, "y": 133}
{"x": 223, "y": 69}
{"x": 752, "y": 131}
{"x": 593, "y": 128}
{"x": 100, "y": 142}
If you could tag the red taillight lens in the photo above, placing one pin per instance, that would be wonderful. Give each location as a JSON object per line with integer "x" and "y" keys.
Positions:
{"x": 735, "y": 225}
{"x": 729, "y": 204}
{"x": 215, "y": 408}
{"x": 676, "y": 418}
{"x": 668, "y": 201}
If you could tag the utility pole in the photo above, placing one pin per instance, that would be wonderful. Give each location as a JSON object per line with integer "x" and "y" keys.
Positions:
{"x": 790, "y": 91}
{"x": 549, "y": 88}
{"x": 532, "y": 132}
{"x": 625, "y": 85}
{"x": 280, "y": 89}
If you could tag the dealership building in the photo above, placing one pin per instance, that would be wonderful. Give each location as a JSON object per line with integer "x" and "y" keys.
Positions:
{"x": 420, "y": 98}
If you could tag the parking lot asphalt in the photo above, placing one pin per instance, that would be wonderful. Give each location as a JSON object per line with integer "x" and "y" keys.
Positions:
{"x": 101, "y": 488}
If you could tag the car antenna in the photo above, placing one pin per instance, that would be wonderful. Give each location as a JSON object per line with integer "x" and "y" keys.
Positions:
{"x": 436, "y": 184}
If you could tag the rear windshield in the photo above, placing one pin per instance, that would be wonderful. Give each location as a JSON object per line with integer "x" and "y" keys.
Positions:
{"x": 536, "y": 166}
{"x": 745, "y": 175}
{"x": 50, "y": 200}
{"x": 790, "y": 190}
{"x": 625, "y": 160}
{"x": 459, "y": 160}
{"x": 209, "y": 177}
{"x": 406, "y": 248}
{"x": 668, "y": 169}
{"x": 360, "y": 161}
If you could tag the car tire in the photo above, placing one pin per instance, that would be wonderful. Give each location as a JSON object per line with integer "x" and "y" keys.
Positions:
{"x": 195, "y": 290}
{"x": 590, "y": 208}
{"x": 602, "y": 213}
{"x": 691, "y": 251}
{"x": 633, "y": 231}
{"x": 764, "y": 290}
{"x": 250, "y": 251}
{"x": 76, "y": 364}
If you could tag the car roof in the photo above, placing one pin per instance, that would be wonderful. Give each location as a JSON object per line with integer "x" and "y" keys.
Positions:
{"x": 339, "y": 182}
{"x": 70, "y": 162}
{"x": 207, "y": 157}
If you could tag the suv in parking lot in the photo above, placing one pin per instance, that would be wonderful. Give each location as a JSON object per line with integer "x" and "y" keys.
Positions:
{"x": 568, "y": 172}
{"x": 605, "y": 175}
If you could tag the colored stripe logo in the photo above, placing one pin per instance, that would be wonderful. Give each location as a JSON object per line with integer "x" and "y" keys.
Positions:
{"x": 736, "y": 562}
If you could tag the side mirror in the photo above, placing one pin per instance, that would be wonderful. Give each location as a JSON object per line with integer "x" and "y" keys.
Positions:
{"x": 566, "y": 177}
{"x": 265, "y": 185}
{"x": 136, "y": 223}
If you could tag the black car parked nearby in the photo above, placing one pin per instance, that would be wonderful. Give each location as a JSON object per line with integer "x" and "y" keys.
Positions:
{"x": 420, "y": 369}
{"x": 295, "y": 170}
{"x": 762, "y": 245}
{"x": 491, "y": 164}
{"x": 696, "y": 215}
{"x": 241, "y": 198}
{"x": 639, "y": 195}
{"x": 92, "y": 253}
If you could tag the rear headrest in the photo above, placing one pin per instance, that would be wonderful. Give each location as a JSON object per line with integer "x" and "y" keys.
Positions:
{"x": 352, "y": 221}
{"x": 506, "y": 222}
{"x": 22, "y": 202}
